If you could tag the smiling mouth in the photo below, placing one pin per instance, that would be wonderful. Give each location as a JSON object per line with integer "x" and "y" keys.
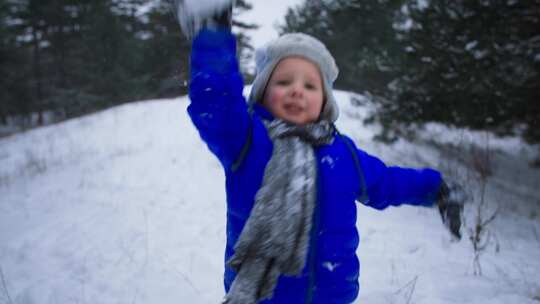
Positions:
{"x": 293, "y": 109}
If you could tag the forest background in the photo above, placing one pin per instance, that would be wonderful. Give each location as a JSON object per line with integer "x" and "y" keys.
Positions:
{"x": 472, "y": 64}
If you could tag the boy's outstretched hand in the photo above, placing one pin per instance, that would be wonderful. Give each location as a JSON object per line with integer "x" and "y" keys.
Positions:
{"x": 196, "y": 15}
{"x": 450, "y": 203}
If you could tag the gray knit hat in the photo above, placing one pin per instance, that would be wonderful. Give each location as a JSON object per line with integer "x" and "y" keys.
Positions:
{"x": 296, "y": 44}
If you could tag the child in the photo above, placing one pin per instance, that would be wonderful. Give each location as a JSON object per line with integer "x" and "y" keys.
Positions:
{"x": 291, "y": 179}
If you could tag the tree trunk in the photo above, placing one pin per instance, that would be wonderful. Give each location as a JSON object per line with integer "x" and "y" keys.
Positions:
{"x": 40, "y": 118}
{"x": 536, "y": 161}
{"x": 38, "y": 77}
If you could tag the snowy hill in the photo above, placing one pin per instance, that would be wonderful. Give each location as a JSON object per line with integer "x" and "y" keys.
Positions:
{"x": 127, "y": 206}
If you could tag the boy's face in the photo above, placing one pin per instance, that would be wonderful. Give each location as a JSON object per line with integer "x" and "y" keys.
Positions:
{"x": 294, "y": 92}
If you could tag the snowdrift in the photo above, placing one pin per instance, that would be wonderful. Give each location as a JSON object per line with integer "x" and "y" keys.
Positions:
{"x": 128, "y": 205}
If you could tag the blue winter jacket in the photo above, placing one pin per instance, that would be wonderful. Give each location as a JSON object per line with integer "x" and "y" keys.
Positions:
{"x": 241, "y": 143}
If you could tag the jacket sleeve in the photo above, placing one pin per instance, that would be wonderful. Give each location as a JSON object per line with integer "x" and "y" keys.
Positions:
{"x": 393, "y": 186}
{"x": 218, "y": 109}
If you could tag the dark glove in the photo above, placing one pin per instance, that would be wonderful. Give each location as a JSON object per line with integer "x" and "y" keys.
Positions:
{"x": 450, "y": 203}
{"x": 192, "y": 20}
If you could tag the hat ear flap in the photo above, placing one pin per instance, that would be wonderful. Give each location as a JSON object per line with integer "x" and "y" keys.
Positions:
{"x": 261, "y": 59}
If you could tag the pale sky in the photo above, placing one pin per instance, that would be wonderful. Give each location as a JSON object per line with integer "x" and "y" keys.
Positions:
{"x": 267, "y": 13}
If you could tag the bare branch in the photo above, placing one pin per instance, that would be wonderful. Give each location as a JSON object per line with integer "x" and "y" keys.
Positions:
{"x": 492, "y": 217}
{"x": 412, "y": 284}
{"x": 4, "y": 286}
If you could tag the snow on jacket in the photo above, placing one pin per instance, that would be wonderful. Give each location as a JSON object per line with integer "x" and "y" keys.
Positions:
{"x": 241, "y": 143}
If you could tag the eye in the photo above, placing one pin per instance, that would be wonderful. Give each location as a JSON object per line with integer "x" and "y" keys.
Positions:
{"x": 283, "y": 82}
{"x": 310, "y": 86}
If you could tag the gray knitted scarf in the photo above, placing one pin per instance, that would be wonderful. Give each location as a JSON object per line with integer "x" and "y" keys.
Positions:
{"x": 275, "y": 238}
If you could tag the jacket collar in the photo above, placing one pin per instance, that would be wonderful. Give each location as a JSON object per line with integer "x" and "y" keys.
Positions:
{"x": 262, "y": 112}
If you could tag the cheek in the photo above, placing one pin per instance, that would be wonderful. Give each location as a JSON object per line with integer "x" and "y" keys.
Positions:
{"x": 272, "y": 101}
{"x": 274, "y": 97}
{"x": 314, "y": 111}
{"x": 316, "y": 105}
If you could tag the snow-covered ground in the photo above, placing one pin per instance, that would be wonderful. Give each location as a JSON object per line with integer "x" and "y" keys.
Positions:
{"x": 128, "y": 206}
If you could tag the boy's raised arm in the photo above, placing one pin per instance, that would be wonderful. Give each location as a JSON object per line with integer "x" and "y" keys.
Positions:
{"x": 218, "y": 108}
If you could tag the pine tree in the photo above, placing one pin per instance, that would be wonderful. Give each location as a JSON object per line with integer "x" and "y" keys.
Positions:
{"x": 165, "y": 52}
{"x": 245, "y": 49}
{"x": 359, "y": 33}
{"x": 26, "y": 30}
{"x": 472, "y": 64}
{"x": 71, "y": 57}
{"x": 11, "y": 88}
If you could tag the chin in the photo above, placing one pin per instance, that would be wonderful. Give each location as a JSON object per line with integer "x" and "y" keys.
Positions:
{"x": 300, "y": 122}
{"x": 295, "y": 120}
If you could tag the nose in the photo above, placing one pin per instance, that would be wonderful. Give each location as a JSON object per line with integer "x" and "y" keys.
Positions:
{"x": 297, "y": 91}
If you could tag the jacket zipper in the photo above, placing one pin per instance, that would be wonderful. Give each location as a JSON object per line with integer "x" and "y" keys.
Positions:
{"x": 313, "y": 241}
